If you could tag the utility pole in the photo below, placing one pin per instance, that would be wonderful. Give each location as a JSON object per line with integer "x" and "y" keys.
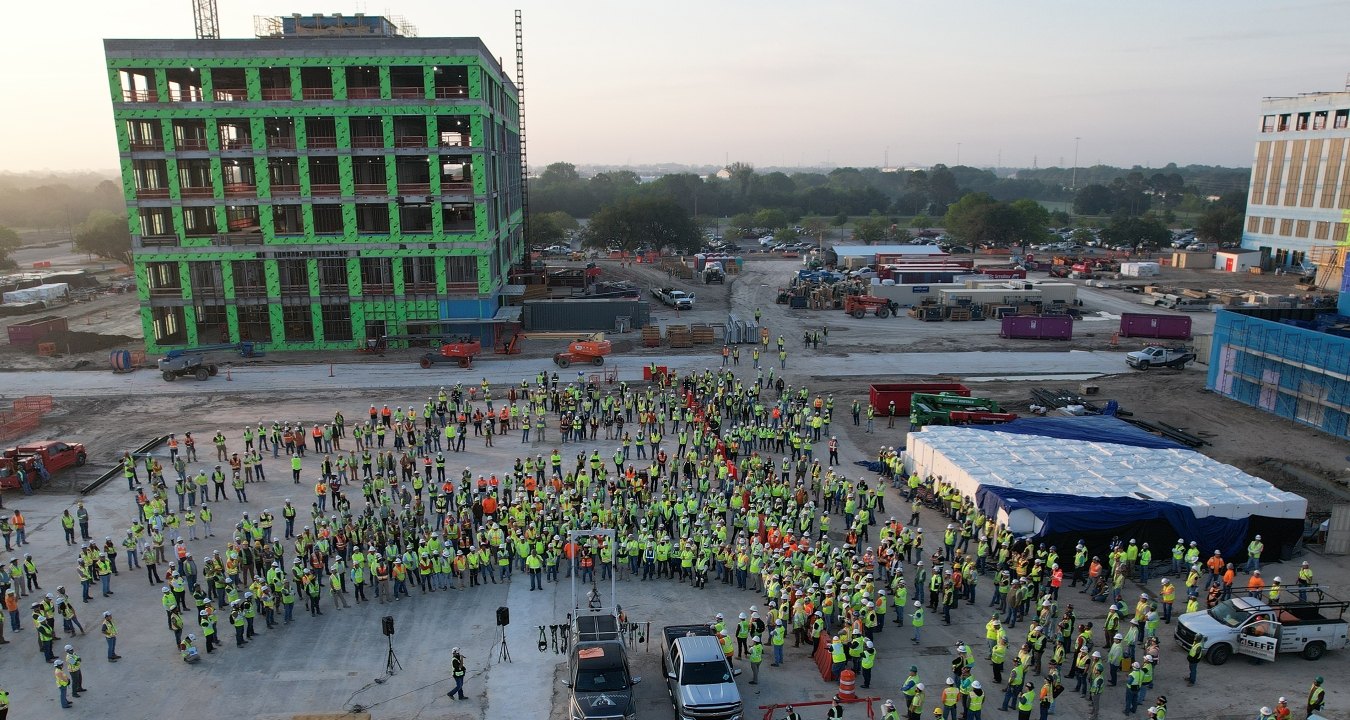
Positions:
{"x": 1073, "y": 184}
{"x": 958, "y": 153}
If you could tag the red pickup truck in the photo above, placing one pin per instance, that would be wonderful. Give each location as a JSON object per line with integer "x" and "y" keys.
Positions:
{"x": 55, "y": 454}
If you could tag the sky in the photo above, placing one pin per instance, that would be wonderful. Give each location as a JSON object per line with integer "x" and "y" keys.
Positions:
{"x": 786, "y": 83}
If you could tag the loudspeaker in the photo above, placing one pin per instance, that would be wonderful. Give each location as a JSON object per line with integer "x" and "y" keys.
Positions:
{"x": 387, "y": 624}
{"x": 503, "y": 616}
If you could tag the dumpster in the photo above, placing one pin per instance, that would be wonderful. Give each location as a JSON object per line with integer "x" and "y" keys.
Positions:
{"x": 1037, "y": 327}
{"x": 1152, "y": 325}
{"x": 881, "y": 395}
{"x": 32, "y": 332}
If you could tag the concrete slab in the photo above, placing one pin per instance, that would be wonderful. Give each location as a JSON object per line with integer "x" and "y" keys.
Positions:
{"x": 329, "y": 664}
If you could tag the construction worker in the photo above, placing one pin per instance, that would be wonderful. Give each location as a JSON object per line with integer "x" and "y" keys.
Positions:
{"x": 62, "y": 682}
{"x": 950, "y": 697}
{"x": 110, "y": 635}
{"x": 1194, "y": 654}
{"x": 756, "y": 657}
{"x": 916, "y": 619}
{"x": 72, "y": 661}
{"x": 457, "y": 671}
{"x": 1317, "y": 695}
{"x": 867, "y": 662}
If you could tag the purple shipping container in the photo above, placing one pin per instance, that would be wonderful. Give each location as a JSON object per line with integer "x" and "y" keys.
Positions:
{"x": 1162, "y": 327}
{"x": 1037, "y": 327}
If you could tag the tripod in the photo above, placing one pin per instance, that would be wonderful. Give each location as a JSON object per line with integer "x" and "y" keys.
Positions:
{"x": 391, "y": 661}
{"x": 503, "y": 652}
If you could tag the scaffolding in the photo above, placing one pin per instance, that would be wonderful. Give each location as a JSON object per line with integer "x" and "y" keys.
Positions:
{"x": 1298, "y": 373}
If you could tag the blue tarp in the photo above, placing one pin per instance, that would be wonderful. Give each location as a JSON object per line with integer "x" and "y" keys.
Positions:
{"x": 1089, "y": 428}
{"x": 1076, "y": 515}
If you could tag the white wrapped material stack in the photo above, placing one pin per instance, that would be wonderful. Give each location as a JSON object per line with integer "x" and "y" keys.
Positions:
{"x": 971, "y": 458}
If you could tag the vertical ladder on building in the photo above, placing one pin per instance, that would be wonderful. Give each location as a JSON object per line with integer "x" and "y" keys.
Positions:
{"x": 524, "y": 163}
{"x": 1330, "y": 262}
{"x": 204, "y": 16}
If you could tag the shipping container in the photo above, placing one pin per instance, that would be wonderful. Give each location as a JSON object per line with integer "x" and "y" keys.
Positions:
{"x": 1037, "y": 327}
{"x": 32, "y": 332}
{"x": 593, "y": 315}
{"x": 1149, "y": 325}
{"x": 1005, "y": 273}
{"x": 880, "y": 396}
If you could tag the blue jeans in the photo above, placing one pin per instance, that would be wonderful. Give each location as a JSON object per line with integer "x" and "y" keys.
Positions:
{"x": 112, "y": 647}
{"x": 459, "y": 688}
{"x": 64, "y": 702}
{"x": 1191, "y": 676}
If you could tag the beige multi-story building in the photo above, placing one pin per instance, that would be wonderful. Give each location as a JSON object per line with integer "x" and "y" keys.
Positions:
{"x": 1300, "y": 189}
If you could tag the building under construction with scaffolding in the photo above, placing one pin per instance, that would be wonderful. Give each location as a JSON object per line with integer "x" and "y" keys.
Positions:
{"x": 1294, "y": 363}
{"x": 334, "y": 181}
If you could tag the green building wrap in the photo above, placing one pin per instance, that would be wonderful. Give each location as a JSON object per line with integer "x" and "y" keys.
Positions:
{"x": 315, "y": 193}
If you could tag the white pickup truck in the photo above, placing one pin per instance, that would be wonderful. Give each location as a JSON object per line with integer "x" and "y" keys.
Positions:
{"x": 1159, "y": 356}
{"x": 1251, "y": 626}
{"x": 678, "y": 299}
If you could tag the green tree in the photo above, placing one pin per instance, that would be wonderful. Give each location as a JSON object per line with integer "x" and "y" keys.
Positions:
{"x": 771, "y": 219}
{"x": 550, "y": 228}
{"x": 741, "y": 225}
{"x": 1136, "y": 232}
{"x": 560, "y": 173}
{"x": 977, "y": 218}
{"x": 840, "y": 220}
{"x": 1081, "y": 236}
{"x": 742, "y": 176}
{"x": 633, "y": 222}
{"x": 1219, "y": 224}
{"x": 872, "y": 230}
{"x": 9, "y": 242}
{"x": 1093, "y": 199}
{"x": 1032, "y": 218}
{"x": 921, "y": 221}
{"x": 106, "y": 235}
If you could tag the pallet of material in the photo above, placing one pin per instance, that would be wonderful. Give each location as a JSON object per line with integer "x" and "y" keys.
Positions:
{"x": 651, "y": 336}
{"x": 702, "y": 334}
{"x": 678, "y": 336}
{"x": 958, "y": 314}
{"x": 1197, "y": 294}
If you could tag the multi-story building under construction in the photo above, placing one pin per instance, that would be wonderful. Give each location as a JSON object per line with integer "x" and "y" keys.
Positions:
{"x": 330, "y": 182}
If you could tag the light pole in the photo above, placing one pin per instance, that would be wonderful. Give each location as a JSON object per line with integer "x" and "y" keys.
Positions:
{"x": 1073, "y": 183}
{"x": 958, "y": 153}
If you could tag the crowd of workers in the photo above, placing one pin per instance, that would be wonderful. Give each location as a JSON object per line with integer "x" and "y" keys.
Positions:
{"x": 713, "y": 478}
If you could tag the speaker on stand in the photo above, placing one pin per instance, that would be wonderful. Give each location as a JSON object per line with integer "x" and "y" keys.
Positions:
{"x": 503, "y": 619}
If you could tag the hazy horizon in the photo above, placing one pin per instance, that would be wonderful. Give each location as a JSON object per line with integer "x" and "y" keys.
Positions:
{"x": 866, "y": 84}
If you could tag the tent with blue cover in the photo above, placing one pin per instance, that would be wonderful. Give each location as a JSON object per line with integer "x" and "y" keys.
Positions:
{"x": 1063, "y": 479}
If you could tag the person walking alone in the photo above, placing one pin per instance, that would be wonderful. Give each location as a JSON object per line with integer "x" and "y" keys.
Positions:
{"x": 457, "y": 672}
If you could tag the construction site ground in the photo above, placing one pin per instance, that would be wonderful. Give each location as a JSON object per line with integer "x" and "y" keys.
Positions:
{"x": 328, "y": 664}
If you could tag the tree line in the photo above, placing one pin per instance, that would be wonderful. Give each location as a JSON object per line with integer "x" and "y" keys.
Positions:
{"x": 977, "y": 206}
